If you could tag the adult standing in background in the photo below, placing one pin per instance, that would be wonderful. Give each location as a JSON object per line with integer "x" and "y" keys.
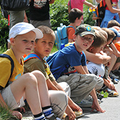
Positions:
{"x": 16, "y": 17}
{"x": 79, "y": 4}
{"x": 39, "y": 12}
{"x": 112, "y": 12}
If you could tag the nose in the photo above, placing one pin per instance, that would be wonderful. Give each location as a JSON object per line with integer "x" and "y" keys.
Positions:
{"x": 30, "y": 43}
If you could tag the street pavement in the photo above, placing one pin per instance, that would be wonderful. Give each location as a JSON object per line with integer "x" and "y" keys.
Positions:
{"x": 110, "y": 104}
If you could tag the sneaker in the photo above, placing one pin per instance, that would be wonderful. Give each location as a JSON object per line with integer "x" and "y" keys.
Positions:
{"x": 89, "y": 98}
{"x": 99, "y": 96}
{"x": 116, "y": 72}
{"x": 115, "y": 81}
{"x": 112, "y": 75}
{"x": 87, "y": 102}
{"x": 112, "y": 93}
{"x": 105, "y": 94}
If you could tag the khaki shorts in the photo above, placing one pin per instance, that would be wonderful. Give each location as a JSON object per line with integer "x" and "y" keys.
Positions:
{"x": 81, "y": 84}
{"x": 10, "y": 100}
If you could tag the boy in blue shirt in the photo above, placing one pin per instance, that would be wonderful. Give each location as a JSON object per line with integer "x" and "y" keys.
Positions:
{"x": 72, "y": 59}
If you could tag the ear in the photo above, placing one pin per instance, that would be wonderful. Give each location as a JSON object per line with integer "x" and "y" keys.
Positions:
{"x": 12, "y": 40}
{"x": 74, "y": 36}
{"x": 92, "y": 41}
{"x": 90, "y": 49}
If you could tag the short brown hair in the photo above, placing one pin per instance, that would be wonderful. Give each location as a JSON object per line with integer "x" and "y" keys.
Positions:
{"x": 99, "y": 39}
{"x": 74, "y": 13}
{"x": 113, "y": 23}
{"x": 110, "y": 33}
{"x": 46, "y": 30}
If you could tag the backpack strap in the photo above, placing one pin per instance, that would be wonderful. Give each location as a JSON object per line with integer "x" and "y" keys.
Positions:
{"x": 70, "y": 26}
{"x": 12, "y": 64}
{"x": 31, "y": 56}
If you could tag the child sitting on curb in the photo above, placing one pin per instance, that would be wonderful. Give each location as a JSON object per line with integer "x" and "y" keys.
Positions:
{"x": 36, "y": 61}
{"x": 69, "y": 65}
{"x": 99, "y": 69}
{"x": 22, "y": 37}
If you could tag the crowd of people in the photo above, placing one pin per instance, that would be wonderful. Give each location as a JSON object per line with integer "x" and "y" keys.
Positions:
{"x": 61, "y": 83}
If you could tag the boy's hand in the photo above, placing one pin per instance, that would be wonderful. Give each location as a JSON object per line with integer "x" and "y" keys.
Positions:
{"x": 96, "y": 106}
{"x": 112, "y": 87}
{"x": 22, "y": 109}
{"x": 17, "y": 114}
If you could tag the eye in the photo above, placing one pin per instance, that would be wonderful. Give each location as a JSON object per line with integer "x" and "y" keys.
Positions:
{"x": 25, "y": 41}
{"x": 43, "y": 41}
{"x": 32, "y": 42}
{"x": 51, "y": 43}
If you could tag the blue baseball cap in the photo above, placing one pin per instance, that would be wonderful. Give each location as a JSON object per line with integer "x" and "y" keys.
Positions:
{"x": 116, "y": 30}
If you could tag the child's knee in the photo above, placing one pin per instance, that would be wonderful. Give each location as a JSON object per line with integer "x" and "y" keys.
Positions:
{"x": 30, "y": 78}
{"x": 39, "y": 75}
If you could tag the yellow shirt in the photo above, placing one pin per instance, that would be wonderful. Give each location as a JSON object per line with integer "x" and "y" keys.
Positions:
{"x": 5, "y": 68}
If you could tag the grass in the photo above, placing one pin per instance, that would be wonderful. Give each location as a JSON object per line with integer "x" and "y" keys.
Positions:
{"x": 54, "y": 49}
{"x": 5, "y": 114}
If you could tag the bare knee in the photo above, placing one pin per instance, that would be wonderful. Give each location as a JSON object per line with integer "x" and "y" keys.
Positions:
{"x": 30, "y": 78}
{"x": 39, "y": 76}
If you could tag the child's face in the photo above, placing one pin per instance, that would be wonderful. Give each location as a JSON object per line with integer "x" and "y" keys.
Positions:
{"x": 23, "y": 44}
{"x": 44, "y": 45}
{"x": 83, "y": 43}
{"x": 78, "y": 21}
{"x": 98, "y": 49}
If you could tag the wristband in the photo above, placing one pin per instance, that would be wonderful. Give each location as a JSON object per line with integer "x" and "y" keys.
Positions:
{"x": 110, "y": 43}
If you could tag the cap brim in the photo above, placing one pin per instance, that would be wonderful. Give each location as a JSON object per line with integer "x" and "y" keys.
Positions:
{"x": 38, "y": 32}
{"x": 87, "y": 33}
{"x": 115, "y": 31}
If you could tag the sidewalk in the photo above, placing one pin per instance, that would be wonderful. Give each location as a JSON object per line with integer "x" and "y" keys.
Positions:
{"x": 110, "y": 104}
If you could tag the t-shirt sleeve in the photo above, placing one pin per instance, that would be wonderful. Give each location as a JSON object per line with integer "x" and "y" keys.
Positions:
{"x": 36, "y": 65}
{"x": 5, "y": 72}
{"x": 70, "y": 32}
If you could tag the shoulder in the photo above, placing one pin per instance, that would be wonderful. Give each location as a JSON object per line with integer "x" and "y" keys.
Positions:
{"x": 69, "y": 49}
{"x": 33, "y": 61}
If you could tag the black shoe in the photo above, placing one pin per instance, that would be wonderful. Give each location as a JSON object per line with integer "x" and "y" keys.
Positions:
{"x": 115, "y": 81}
{"x": 113, "y": 76}
{"x": 99, "y": 96}
{"x": 116, "y": 72}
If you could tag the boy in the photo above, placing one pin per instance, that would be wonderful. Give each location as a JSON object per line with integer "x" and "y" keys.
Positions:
{"x": 75, "y": 17}
{"x": 96, "y": 47}
{"x": 72, "y": 59}
{"x": 22, "y": 37}
{"x": 113, "y": 23}
{"x": 99, "y": 69}
{"x": 36, "y": 61}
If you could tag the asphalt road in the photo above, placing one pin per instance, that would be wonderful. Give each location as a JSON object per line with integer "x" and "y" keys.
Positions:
{"x": 110, "y": 104}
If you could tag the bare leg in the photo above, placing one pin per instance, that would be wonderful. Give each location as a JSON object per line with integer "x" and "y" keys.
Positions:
{"x": 42, "y": 86}
{"x": 112, "y": 62}
{"x": 32, "y": 88}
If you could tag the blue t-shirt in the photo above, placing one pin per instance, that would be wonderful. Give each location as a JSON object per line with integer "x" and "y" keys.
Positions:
{"x": 63, "y": 60}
